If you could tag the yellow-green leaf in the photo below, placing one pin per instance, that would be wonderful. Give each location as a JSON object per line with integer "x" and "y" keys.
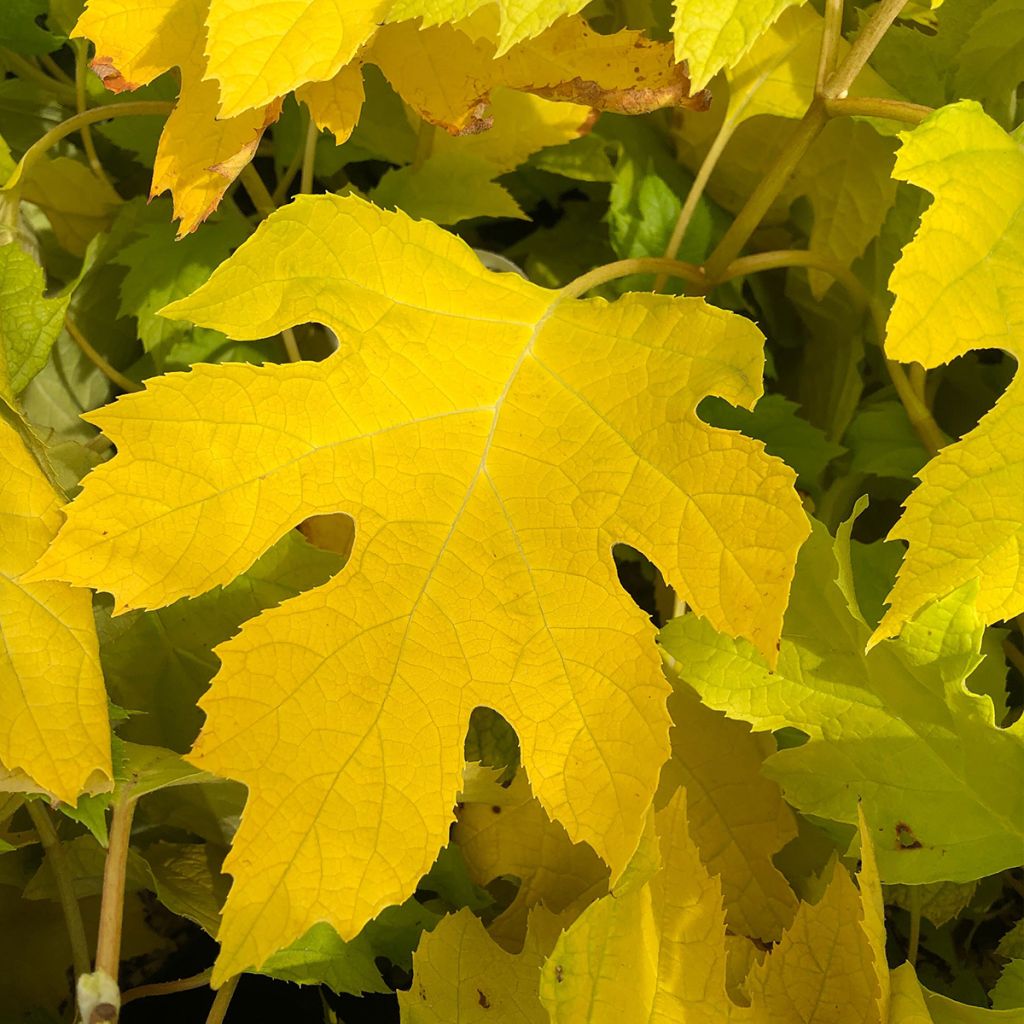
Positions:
{"x": 492, "y": 440}
{"x": 55, "y": 725}
{"x": 958, "y": 287}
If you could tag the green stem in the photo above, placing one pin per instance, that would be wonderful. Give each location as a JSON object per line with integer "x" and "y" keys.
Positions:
{"x": 641, "y": 265}
{"x": 921, "y": 419}
{"x": 57, "y": 859}
{"x": 893, "y": 110}
{"x": 222, "y": 1000}
{"x": 257, "y": 191}
{"x": 81, "y": 105}
{"x": 309, "y": 157}
{"x": 424, "y": 144}
{"x": 291, "y": 346}
{"x": 108, "y": 941}
{"x": 108, "y": 371}
{"x": 767, "y": 190}
{"x": 167, "y": 988}
{"x": 863, "y": 46}
{"x": 915, "y": 925}
{"x": 693, "y": 197}
{"x": 281, "y": 189}
{"x": 831, "y": 36}
{"x": 38, "y": 148}
{"x": 55, "y": 69}
{"x": 26, "y": 69}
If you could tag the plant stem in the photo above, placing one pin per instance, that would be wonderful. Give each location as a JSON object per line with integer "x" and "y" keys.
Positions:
{"x": 167, "y": 988}
{"x": 641, "y": 265}
{"x": 108, "y": 371}
{"x": 863, "y": 46}
{"x": 58, "y": 862}
{"x": 309, "y": 157}
{"x": 708, "y": 164}
{"x": 222, "y": 1000}
{"x": 424, "y": 144}
{"x": 291, "y": 346}
{"x": 767, "y": 190}
{"x": 831, "y": 36}
{"x": 73, "y": 124}
{"x": 281, "y": 188}
{"x": 55, "y": 69}
{"x": 108, "y": 941}
{"x": 81, "y": 104}
{"x": 26, "y": 69}
{"x": 918, "y": 381}
{"x": 893, "y": 110}
{"x": 920, "y": 417}
{"x": 257, "y": 191}
{"x": 915, "y": 925}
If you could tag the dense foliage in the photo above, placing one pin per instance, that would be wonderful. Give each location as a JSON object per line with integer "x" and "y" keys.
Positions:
{"x": 512, "y": 511}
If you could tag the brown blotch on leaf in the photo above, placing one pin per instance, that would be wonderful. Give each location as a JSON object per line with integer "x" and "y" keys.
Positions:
{"x": 483, "y": 1000}
{"x": 905, "y": 838}
{"x": 495, "y": 809}
{"x": 559, "y": 973}
{"x": 112, "y": 79}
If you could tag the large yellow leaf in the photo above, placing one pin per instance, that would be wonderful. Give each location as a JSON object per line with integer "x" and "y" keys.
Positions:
{"x": 492, "y": 440}
{"x": 738, "y": 818}
{"x": 506, "y": 832}
{"x": 54, "y": 724}
{"x": 656, "y": 953}
{"x": 199, "y": 154}
{"x": 958, "y": 287}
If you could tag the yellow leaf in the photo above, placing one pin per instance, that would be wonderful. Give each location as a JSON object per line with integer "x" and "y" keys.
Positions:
{"x": 456, "y": 181}
{"x": 55, "y": 725}
{"x": 517, "y": 19}
{"x": 492, "y": 440}
{"x": 461, "y": 974}
{"x": 200, "y": 153}
{"x": 958, "y": 287}
{"x": 657, "y": 953}
{"x": 77, "y": 204}
{"x": 715, "y": 34}
{"x": 737, "y": 816}
{"x": 507, "y": 832}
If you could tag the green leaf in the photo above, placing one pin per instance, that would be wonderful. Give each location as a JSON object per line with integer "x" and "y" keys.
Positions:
{"x": 883, "y": 442}
{"x": 786, "y": 434}
{"x": 29, "y": 323}
{"x": 160, "y": 662}
{"x": 991, "y": 60}
{"x": 187, "y": 880}
{"x": 896, "y": 727}
{"x": 20, "y": 32}
{"x": 1008, "y": 993}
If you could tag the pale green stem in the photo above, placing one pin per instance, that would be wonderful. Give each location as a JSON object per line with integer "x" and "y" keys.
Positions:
{"x": 73, "y": 124}
{"x": 55, "y": 69}
{"x": 863, "y": 46}
{"x": 167, "y": 988}
{"x": 81, "y": 105}
{"x": 281, "y": 189}
{"x": 309, "y": 157}
{"x": 893, "y": 110}
{"x": 108, "y": 371}
{"x": 57, "y": 859}
{"x": 915, "y": 925}
{"x": 108, "y": 940}
{"x": 832, "y": 35}
{"x": 291, "y": 346}
{"x": 624, "y": 268}
{"x": 222, "y": 1000}
{"x": 26, "y": 69}
{"x": 918, "y": 381}
{"x": 259, "y": 194}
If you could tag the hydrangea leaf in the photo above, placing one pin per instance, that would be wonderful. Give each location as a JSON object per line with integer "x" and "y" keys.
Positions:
{"x": 29, "y": 322}
{"x": 461, "y": 974}
{"x": 55, "y": 725}
{"x": 517, "y": 19}
{"x": 896, "y": 726}
{"x": 990, "y": 64}
{"x": 736, "y": 816}
{"x": 456, "y": 181}
{"x": 199, "y": 153}
{"x": 965, "y": 520}
{"x": 657, "y": 951}
{"x": 20, "y": 32}
{"x": 489, "y": 439}
{"x": 505, "y": 831}
{"x": 715, "y": 34}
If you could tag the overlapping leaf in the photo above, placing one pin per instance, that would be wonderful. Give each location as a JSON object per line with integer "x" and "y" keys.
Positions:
{"x": 896, "y": 727}
{"x": 958, "y": 287}
{"x": 492, "y": 441}
{"x": 55, "y": 725}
